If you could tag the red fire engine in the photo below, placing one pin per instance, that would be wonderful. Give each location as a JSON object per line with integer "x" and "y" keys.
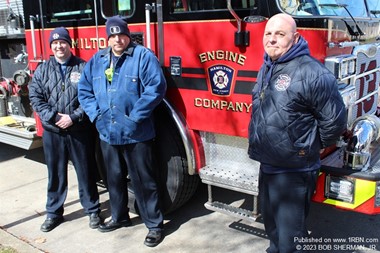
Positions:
{"x": 211, "y": 51}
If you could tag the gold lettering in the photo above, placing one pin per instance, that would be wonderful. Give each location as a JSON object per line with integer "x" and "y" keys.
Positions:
{"x": 233, "y": 57}
{"x": 211, "y": 55}
{"x": 231, "y": 106}
{"x": 219, "y": 104}
{"x": 239, "y": 107}
{"x": 215, "y": 104}
{"x": 241, "y": 59}
{"x": 203, "y": 57}
{"x": 90, "y": 43}
{"x": 223, "y": 104}
{"x": 219, "y": 55}
{"x": 94, "y": 42}
{"x": 222, "y": 55}
{"x": 102, "y": 43}
{"x": 206, "y": 103}
{"x": 74, "y": 43}
{"x": 198, "y": 102}
{"x": 248, "y": 106}
{"x": 87, "y": 46}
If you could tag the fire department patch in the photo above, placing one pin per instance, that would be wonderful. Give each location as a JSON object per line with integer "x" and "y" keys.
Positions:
{"x": 220, "y": 79}
{"x": 74, "y": 77}
{"x": 55, "y": 36}
{"x": 282, "y": 82}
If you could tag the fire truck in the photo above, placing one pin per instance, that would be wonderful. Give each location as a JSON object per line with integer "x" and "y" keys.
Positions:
{"x": 210, "y": 52}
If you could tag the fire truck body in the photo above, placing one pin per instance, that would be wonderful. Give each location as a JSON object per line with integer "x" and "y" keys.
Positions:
{"x": 211, "y": 52}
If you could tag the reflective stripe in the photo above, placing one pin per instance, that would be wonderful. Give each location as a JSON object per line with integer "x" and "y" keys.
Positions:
{"x": 364, "y": 191}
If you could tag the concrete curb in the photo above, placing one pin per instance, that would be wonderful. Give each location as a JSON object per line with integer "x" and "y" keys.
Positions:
{"x": 10, "y": 240}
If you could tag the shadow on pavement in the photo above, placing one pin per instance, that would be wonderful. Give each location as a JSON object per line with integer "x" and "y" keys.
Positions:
{"x": 192, "y": 209}
{"x": 36, "y": 155}
{"x": 195, "y": 208}
{"x": 67, "y": 216}
{"x": 242, "y": 227}
{"x": 349, "y": 228}
{"x": 10, "y": 152}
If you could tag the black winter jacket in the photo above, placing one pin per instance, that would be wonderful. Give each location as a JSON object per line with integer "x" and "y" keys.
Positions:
{"x": 296, "y": 111}
{"x": 50, "y": 94}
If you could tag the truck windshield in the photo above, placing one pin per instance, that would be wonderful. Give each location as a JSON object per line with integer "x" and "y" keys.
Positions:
{"x": 64, "y": 10}
{"x": 357, "y": 8}
{"x": 117, "y": 7}
{"x": 209, "y": 5}
{"x": 374, "y": 7}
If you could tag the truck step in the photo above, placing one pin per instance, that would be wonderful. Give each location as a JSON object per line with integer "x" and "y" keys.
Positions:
{"x": 236, "y": 212}
{"x": 236, "y": 178}
{"x": 243, "y": 178}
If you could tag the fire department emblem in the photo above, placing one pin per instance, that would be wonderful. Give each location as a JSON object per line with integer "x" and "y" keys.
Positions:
{"x": 282, "y": 82}
{"x": 221, "y": 79}
{"x": 55, "y": 36}
{"x": 115, "y": 30}
{"x": 74, "y": 77}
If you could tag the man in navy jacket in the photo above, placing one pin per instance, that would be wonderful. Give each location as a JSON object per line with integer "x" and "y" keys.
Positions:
{"x": 297, "y": 111}
{"x": 67, "y": 132}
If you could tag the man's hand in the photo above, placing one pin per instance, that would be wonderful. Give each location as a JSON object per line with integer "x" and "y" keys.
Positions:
{"x": 64, "y": 122}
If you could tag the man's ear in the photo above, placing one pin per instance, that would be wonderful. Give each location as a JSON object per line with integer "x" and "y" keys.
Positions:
{"x": 296, "y": 37}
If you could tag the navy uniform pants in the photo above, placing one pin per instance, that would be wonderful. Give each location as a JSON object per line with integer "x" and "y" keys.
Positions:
{"x": 136, "y": 160}
{"x": 285, "y": 202}
{"x": 79, "y": 148}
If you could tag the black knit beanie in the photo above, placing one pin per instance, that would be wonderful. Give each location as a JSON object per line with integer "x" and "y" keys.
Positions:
{"x": 117, "y": 25}
{"x": 60, "y": 33}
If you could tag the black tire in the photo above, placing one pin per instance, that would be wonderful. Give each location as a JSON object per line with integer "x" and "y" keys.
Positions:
{"x": 175, "y": 184}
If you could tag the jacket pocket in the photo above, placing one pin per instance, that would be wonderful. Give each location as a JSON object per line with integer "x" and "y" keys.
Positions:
{"x": 96, "y": 84}
{"x": 132, "y": 84}
{"x": 101, "y": 126}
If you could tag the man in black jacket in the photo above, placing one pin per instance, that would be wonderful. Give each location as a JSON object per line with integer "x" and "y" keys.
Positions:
{"x": 297, "y": 111}
{"x": 67, "y": 130}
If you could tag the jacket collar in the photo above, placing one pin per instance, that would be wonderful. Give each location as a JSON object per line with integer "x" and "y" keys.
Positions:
{"x": 128, "y": 51}
{"x": 298, "y": 49}
{"x": 67, "y": 62}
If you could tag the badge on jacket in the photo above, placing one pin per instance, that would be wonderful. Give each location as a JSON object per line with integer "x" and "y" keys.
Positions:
{"x": 282, "y": 82}
{"x": 74, "y": 77}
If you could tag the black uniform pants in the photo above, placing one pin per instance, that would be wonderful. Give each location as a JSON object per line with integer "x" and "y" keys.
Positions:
{"x": 285, "y": 202}
{"x": 136, "y": 160}
{"x": 79, "y": 148}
